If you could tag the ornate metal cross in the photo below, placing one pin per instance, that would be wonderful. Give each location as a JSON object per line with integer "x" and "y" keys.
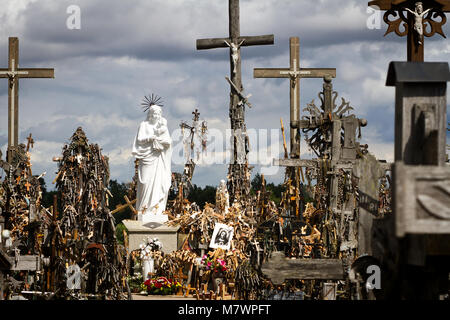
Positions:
{"x": 13, "y": 73}
{"x": 420, "y": 15}
{"x": 238, "y": 171}
{"x": 294, "y": 73}
{"x": 196, "y": 115}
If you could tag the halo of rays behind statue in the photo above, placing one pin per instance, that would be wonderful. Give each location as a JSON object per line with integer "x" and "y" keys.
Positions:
{"x": 151, "y": 100}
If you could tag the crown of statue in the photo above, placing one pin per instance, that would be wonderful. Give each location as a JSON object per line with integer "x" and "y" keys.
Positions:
{"x": 150, "y": 101}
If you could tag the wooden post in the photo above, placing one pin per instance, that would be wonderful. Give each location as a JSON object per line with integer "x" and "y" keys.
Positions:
{"x": 418, "y": 234}
{"x": 414, "y": 50}
{"x": 238, "y": 183}
{"x": 294, "y": 73}
{"x": 420, "y": 111}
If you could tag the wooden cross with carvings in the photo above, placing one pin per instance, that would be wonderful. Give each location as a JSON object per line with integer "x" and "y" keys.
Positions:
{"x": 295, "y": 73}
{"x": 420, "y": 14}
{"x": 235, "y": 41}
{"x": 13, "y": 73}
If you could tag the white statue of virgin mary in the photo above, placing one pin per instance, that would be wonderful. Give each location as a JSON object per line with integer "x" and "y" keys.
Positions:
{"x": 152, "y": 146}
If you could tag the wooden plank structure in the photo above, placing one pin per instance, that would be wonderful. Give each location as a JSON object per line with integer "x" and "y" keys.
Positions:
{"x": 27, "y": 263}
{"x": 279, "y": 268}
{"x": 415, "y": 23}
{"x": 420, "y": 141}
{"x": 238, "y": 183}
{"x": 334, "y": 135}
{"x": 416, "y": 238}
{"x": 14, "y": 73}
{"x": 420, "y": 111}
{"x": 429, "y": 213}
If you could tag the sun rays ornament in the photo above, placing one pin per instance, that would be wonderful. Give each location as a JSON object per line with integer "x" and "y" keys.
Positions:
{"x": 151, "y": 100}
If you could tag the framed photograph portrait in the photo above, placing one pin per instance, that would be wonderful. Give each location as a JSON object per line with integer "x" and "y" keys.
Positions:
{"x": 221, "y": 237}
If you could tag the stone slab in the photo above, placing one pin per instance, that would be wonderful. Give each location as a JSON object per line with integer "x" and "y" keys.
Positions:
{"x": 137, "y": 233}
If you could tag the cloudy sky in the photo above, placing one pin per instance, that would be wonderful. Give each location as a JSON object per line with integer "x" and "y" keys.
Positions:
{"x": 127, "y": 49}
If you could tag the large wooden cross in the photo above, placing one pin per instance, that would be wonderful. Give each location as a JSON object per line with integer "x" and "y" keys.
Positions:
{"x": 295, "y": 73}
{"x": 13, "y": 73}
{"x": 419, "y": 14}
{"x": 235, "y": 41}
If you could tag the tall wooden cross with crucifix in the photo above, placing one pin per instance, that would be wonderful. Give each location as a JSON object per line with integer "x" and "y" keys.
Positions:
{"x": 420, "y": 14}
{"x": 295, "y": 73}
{"x": 238, "y": 178}
{"x": 13, "y": 73}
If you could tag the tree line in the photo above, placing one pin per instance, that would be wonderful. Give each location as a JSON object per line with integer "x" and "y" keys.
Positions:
{"x": 199, "y": 195}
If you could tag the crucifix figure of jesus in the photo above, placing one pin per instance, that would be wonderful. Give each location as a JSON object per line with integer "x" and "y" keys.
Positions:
{"x": 418, "y": 19}
{"x": 14, "y": 73}
{"x": 238, "y": 177}
{"x": 413, "y": 25}
{"x": 234, "y": 53}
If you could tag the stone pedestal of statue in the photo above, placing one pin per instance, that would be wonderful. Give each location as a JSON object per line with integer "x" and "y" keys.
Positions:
{"x": 137, "y": 233}
{"x": 151, "y": 220}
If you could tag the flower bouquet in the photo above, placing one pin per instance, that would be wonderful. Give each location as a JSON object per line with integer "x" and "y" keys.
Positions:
{"x": 215, "y": 265}
{"x": 162, "y": 286}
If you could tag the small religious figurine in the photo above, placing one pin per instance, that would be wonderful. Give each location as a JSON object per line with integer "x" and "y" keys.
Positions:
{"x": 222, "y": 197}
{"x": 152, "y": 147}
{"x": 234, "y": 53}
{"x": 418, "y": 20}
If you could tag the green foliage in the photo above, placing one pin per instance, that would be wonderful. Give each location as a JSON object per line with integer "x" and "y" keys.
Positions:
{"x": 47, "y": 196}
{"x": 201, "y": 195}
{"x": 118, "y": 191}
{"x": 135, "y": 283}
{"x": 275, "y": 190}
{"x": 308, "y": 197}
{"x": 256, "y": 183}
{"x": 119, "y": 233}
